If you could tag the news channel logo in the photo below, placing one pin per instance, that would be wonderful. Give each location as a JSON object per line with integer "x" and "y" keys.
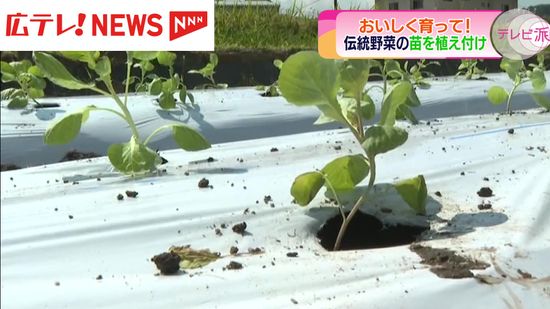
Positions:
{"x": 519, "y": 34}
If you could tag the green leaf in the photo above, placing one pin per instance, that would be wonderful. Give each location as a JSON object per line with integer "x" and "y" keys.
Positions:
{"x": 397, "y": 95}
{"x": 392, "y": 68}
{"x": 346, "y": 172}
{"x": 155, "y": 87}
{"x": 367, "y": 107}
{"x": 497, "y": 95}
{"x": 166, "y": 100}
{"x": 170, "y": 85}
{"x": 88, "y": 57}
{"x": 191, "y": 97}
{"x": 146, "y": 66}
{"x": 306, "y": 186}
{"x": 512, "y": 67}
{"x": 354, "y": 75}
{"x": 36, "y": 82}
{"x": 64, "y": 130}
{"x": 412, "y": 99}
{"x": 278, "y": 63}
{"x": 381, "y": 139}
{"x": 9, "y": 93}
{"x": 103, "y": 68}
{"x": 214, "y": 60}
{"x": 188, "y": 138}
{"x": 144, "y": 55}
{"x": 35, "y": 93}
{"x": 166, "y": 58}
{"x": 57, "y": 73}
{"x": 21, "y": 67}
{"x": 8, "y": 72}
{"x": 132, "y": 157}
{"x": 541, "y": 100}
{"x": 18, "y": 103}
{"x": 414, "y": 193}
{"x": 538, "y": 80}
{"x": 191, "y": 259}
{"x": 404, "y": 112}
{"x": 308, "y": 79}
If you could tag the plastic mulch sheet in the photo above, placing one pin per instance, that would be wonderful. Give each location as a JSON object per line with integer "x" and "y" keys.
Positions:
{"x": 62, "y": 225}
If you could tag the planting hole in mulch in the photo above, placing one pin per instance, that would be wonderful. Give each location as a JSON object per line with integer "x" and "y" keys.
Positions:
{"x": 367, "y": 232}
{"x": 446, "y": 263}
{"x": 74, "y": 155}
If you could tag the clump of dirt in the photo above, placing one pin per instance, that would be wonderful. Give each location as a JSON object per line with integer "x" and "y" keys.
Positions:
{"x": 292, "y": 254}
{"x": 239, "y": 228}
{"x": 233, "y": 250}
{"x": 446, "y": 263}
{"x": 9, "y": 167}
{"x": 99, "y": 277}
{"x": 203, "y": 183}
{"x": 367, "y": 232}
{"x": 484, "y": 206}
{"x": 524, "y": 274}
{"x": 267, "y": 199}
{"x": 74, "y": 155}
{"x": 255, "y": 250}
{"x": 234, "y": 265}
{"x": 168, "y": 263}
{"x": 120, "y": 197}
{"x": 438, "y": 194}
{"x": 485, "y": 192}
{"x": 274, "y": 149}
{"x": 132, "y": 194}
{"x": 511, "y": 131}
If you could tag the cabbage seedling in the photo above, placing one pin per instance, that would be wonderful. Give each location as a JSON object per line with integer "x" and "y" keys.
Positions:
{"x": 273, "y": 89}
{"x": 133, "y": 157}
{"x": 29, "y": 79}
{"x": 208, "y": 72}
{"x": 468, "y": 68}
{"x": 337, "y": 89}
{"x": 519, "y": 74}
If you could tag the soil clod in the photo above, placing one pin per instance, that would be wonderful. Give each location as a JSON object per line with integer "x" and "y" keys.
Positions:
{"x": 234, "y": 265}
{"x": 292, "y": 254}
{"x": 233, "y": 250}
{"x": 210, "y": 160}
{"x": 511, "y": 131}
{"x": 120, "y": 197}
{"x": 255, "y": 250}
{"x": 239, "y": 228}
{"x": 485, "y": 192}
{"x": 438, "y": 194}
{"x": 74, "y": 155}
{"x": 168, "y": 263}
{"x": 524, "y": 274}
{"x": 204, "y": 183}
{"x": 274, "y": 149}
{"x": 484, "y": 206}
{"x": 446, "y": 263}
{"x": 132, "y": 194}
{"x": 99, "y": 277}
{"x": 367, "y": 232}
{"x": 267, "y": 199}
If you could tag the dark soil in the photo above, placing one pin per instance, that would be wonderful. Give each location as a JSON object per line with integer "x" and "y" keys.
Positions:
{"x": 255, "y": 250}
{"x": 168, "y": 263}
{"x": 274, "y": 149}
{"x": 511, "y": 131}
{"x": 203, "y": 183}
{"x": 233, "y": 250}
{"x": 484, "y": 206}
{"x": 485, "y": 192}
{"x": 9, "y": 167}
{"x": 77, "y": 155}
{"x": 239, "y": 228}
{"x": 367, "y": 232}
{"x": 446, "y": 263}
{"x": 99, "y": 277}
{"x": 120, "y": 197}
{"x": 234, "y": 265}
{"x": 292, "y": 254}
{"x": 438, "y": 194}
{"x": 524, "y": 274}
{"x": 132, "y": 194}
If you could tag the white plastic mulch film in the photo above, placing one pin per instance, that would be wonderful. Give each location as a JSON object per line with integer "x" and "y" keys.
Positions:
{"x": 68, "y": 242}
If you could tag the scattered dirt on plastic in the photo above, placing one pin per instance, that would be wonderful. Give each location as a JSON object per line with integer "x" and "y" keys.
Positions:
{"x": 210, "y": 160}
{"x": 446, "y": 263}
{"x": 239, "y": 228}
{"x": 255, "y": 250}
{"x": 71, "y": 217}
{"x": 274, "y": 149}
{"x": 294, "y": 301}
{"x": 367, "y": 232}
{"x": 267, "y": 199}
{"x": 99, "y": 277}
{"x": 485, "y": 178}
{"x": 218, "y": 232}
{"x": 524, "y": 274}
{"x": 438, "y": 194}
{"x": 120, "y": 197}
{"x": 234, "y": 265}
{"x": 132, "y": 194}
{"x": 74, "y": 155}
{"x": 484, "y": 206}
{"x": 485, "y": 192}
{"x": 9, "y": 167}
{"x": 233, "y": 250}
{"x": 511, "y": 131}
{"x": 168, "y": 263}
{"x": 337, "y": 147}
{"x": 462, "y": 173}
{"x": 203, "y": 183}
{"x": 292, "y": 254}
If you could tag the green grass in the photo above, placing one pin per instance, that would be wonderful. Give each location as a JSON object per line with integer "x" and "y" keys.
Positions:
{"x": 250, "y": 27}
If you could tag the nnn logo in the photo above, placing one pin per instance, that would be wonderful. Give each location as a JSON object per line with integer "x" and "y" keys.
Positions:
{"x": 183, "y": 23}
